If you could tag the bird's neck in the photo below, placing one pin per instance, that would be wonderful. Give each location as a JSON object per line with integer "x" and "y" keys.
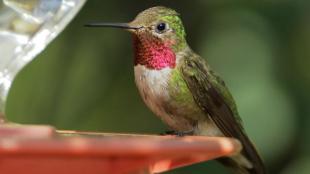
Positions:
{"x": 153, "y": 53}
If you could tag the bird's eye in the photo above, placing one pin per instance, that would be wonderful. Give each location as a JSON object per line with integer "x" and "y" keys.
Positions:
{"x": 161, "y": 27}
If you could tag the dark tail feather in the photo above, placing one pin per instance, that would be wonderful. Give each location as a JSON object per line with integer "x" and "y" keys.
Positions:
{"x": 228, "y": 162}
{"x": 250, "y": 153}
{"x": 237, "y": 168}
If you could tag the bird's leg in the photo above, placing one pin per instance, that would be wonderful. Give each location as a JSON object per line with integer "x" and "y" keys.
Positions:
{"x": 169, "y": 132}
{"x": 179, "y": 133}
{"x": 184, "y": 133}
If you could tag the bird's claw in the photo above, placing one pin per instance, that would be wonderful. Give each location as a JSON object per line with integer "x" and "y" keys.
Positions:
{"x": 179, "y": 133}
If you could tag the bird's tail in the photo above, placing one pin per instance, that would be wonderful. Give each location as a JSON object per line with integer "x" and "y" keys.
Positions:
{"x": 237, "y": 167}
{"x": 247, "y": 162}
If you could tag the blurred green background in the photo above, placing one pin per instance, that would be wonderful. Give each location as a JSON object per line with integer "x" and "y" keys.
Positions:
{"x": 84, "y": 79}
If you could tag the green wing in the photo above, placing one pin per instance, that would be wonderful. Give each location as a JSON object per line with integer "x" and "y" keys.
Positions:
{"x": 212, "y": 96}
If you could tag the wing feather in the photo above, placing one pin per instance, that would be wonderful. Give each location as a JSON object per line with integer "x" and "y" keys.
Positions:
{"x": 213, "y": 97}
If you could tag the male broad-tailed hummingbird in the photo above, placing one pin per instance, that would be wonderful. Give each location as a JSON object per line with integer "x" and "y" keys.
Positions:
{"x": 181, "y": 88}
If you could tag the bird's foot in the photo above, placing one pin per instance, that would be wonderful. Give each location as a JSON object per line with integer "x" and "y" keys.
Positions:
{"x": 169, "y": 132}
{"x": 178, "y": 133}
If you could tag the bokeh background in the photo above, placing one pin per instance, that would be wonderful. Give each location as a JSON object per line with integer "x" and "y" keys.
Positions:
{"x": 84, "y": 79}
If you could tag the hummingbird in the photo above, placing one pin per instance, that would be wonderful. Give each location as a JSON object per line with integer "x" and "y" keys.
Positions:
{"x": 180, "y": 87}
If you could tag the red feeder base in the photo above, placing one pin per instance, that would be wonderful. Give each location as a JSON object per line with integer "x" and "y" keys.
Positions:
{"x": 41, "y": 149}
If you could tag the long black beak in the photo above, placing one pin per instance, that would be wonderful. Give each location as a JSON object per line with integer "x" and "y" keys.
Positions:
{"x": 113, "y": 25}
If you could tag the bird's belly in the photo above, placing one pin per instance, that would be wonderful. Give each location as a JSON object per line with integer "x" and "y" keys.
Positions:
{"x": 155, "y": 89}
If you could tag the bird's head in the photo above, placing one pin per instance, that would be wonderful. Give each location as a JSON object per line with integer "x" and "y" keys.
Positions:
{"x": 158, "y": 35}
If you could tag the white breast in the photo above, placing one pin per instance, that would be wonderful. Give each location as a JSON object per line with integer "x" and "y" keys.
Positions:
{"x": 153, "y": 80}
{"x": 153, "y": 88}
